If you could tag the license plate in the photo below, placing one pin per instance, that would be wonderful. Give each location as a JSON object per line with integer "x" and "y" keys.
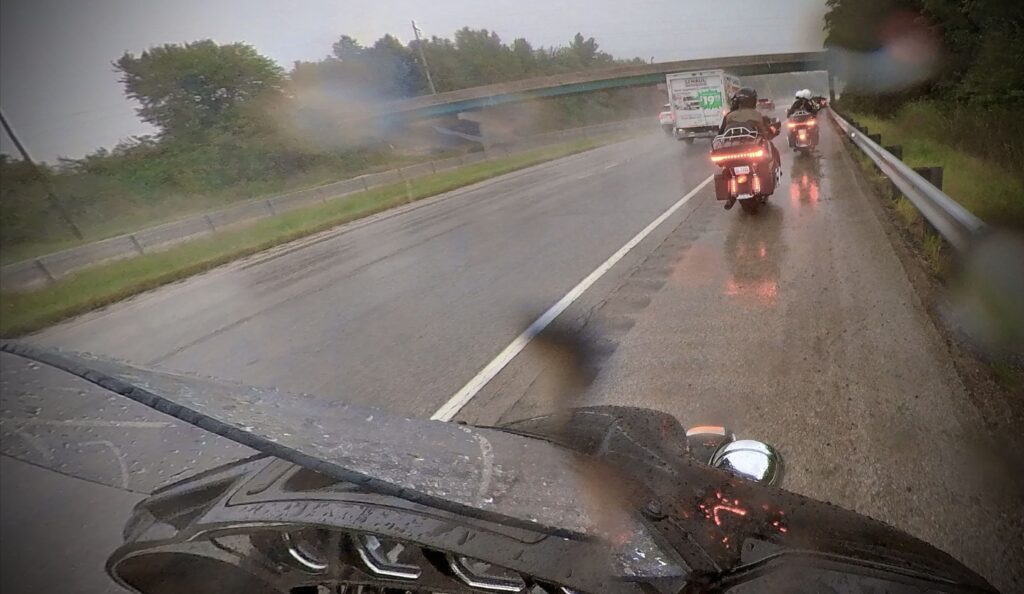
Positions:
{"x": 744, "y": 170}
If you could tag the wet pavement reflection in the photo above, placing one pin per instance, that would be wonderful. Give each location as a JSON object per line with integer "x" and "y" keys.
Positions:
{"x": 754, "y": 252}
{"x": 805, "y": 181}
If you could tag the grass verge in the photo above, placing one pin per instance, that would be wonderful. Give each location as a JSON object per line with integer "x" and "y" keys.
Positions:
{"x": 920, "y": 237}
{"x": 989, "y": 191}
{"x": 937, "y": 259}
{"x": 21, "y": 313}
{"x": 111, "y": 217}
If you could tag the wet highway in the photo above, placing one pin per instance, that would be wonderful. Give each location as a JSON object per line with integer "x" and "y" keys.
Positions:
{"x": 797, "y": 326}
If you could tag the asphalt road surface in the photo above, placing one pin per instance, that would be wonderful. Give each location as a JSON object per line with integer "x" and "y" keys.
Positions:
{"x": 796, "y": 326}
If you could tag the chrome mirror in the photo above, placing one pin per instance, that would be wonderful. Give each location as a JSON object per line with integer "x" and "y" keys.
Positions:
{"x": 751, "y": 460}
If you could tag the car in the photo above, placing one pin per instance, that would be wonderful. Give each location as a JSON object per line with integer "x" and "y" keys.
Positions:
{"x": 765, "y": 104}
{"x": 666, "y": 118}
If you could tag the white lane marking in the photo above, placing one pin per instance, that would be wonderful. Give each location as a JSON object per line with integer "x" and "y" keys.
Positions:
{"x": 83, "y": 422}
{"x": 485, "y": 375}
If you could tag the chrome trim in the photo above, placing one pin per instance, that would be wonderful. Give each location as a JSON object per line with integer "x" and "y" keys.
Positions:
{"x": 311, "y": 564}
{"x": 750, "y": 459}
{"x": 406, "y": 572}
{"x": 492, "y": 584}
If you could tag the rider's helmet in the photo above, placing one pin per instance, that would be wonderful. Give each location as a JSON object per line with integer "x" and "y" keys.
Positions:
{"x": 745, "y": 97}
{"x": 803, "y": 94}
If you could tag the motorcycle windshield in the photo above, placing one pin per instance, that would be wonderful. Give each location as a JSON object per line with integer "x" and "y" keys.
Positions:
{"x": 480, "y": 472}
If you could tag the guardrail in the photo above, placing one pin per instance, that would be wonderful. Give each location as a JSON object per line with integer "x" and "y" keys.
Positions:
{"x": 43, "y": 270}
{"x": 952, "y": 221}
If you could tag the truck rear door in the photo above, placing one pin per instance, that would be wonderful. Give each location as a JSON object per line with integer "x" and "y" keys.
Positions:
{"x": 697, "y": 99}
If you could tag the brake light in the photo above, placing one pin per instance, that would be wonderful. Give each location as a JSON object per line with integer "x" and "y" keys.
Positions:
{"x": 732, "y": 187}
{"x": 741, "y": 179}
{"x": 756, "y": 184}
{"x": 758, "y": 154}
{"x": 791, "y": 124}
{"x": 803, "y": 133}
{"x": 811, "y": 123}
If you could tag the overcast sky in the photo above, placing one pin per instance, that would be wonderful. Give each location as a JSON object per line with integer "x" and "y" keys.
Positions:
{"x": 59, "y": 91}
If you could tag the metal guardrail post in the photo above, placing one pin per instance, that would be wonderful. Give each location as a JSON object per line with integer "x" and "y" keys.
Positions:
{"x": 46, "y": 271}
{"x": 136, "y": 244}
{"x": 953, "y": 222}
{"x": 876, "y": 138}
{"x": 932, "y": 174}
{"x": 896, "y": 150}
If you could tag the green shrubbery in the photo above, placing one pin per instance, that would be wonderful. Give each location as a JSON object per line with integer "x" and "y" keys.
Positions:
{"x": 966, "y": 115}
{"x": 233, "y": 125}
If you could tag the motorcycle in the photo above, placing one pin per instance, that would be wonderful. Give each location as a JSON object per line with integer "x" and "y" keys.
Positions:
{"x": 749, "y": 174}
{"x": 342, "y": 498}
{"x": 803, "y": 131}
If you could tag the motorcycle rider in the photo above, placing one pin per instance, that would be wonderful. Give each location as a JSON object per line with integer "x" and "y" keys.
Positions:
{"x": 743, "y": 112}
{"x": 802, "y": 102}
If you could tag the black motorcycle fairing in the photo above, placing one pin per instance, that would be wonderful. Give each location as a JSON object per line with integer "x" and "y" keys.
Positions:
{"x": 727, "y": 529}
{"x": 467, "y": 470}
{"x": 380, "y": 475}
{"x": 275, "y": 495}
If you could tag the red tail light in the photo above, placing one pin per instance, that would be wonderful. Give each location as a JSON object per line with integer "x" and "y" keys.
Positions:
{"x": 732, "y": 187}
{"x": 741, "y": 179}
{"x": 758, "y": 154}
{"x": 803, "y": 134}
{"x": 756, "y": 184}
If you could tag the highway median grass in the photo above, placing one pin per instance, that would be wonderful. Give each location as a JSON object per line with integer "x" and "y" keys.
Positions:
{"x": 22, "y": 313}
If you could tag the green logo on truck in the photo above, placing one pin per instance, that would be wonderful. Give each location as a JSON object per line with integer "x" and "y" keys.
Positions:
{"x": 710, "y": 98}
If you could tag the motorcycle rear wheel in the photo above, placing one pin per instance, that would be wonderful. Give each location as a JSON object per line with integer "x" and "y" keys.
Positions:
{"x": 750, "y": 205}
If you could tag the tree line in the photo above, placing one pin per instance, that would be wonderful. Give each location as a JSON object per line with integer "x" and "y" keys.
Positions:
{"x": 231, "y": 122}
{"x": 974, "y": 90}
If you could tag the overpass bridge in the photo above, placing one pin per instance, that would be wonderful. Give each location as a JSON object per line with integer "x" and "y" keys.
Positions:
{"x": 631, "y": 75}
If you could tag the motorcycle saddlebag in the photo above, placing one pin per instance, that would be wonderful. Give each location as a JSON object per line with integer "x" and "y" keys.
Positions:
{"x": 721, "y": 186}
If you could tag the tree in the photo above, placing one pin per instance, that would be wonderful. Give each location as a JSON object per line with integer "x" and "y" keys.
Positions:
{"x": 395, "y": 71}
{"x": 982, "y": 59}
{"x": 585, "y": 52}
{"x": 187, "y": 90}
{"x": 347, "y": 48}
{"x": 524, "y": 56}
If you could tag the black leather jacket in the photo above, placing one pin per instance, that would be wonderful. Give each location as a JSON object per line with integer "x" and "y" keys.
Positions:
{"x": 802, "y": 104}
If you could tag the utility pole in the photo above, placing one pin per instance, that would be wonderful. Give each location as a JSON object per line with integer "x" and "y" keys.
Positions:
{"x": 423, "y": 59}
{"x": 50, "y": 195}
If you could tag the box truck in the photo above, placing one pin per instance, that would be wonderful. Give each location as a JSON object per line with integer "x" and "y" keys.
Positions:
{"x": 699, "y": 101}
